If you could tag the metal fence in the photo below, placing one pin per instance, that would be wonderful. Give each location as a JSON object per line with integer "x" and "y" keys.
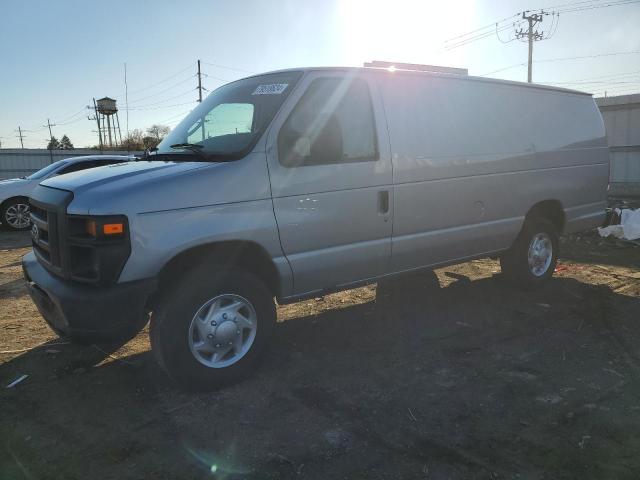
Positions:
{"x": 17, "y": 162}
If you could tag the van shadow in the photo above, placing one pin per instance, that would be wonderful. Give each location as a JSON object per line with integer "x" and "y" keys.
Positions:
{"x": 421, "y": 373}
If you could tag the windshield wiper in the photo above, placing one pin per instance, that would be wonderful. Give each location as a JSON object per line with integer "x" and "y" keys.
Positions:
{"x": 192, "y": 147}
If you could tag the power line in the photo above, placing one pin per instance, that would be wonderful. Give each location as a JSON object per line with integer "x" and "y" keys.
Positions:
{"x": 71, "y": 121}
{"x": 153, "y": 85}
{"x": 174, "y": 117}
{"x": 228, "y": 68}
{"x": 600, "y": 77}
{"x": 137, "y": 107}
{"x": 189, "y": 78}
{"x": 497, "y": 27}
{"x": 532, "y": 36}
{"x": 560, "y": 59}
{"x": 69, "y": 117}
{"x": 477, "y": 30}
{"x": 165, "y": 106}
{"x": 570, "y": 4}
{"x": 597, "y": 6}
{"x": 477, "y": 37}
{"x": 587, "y": 56}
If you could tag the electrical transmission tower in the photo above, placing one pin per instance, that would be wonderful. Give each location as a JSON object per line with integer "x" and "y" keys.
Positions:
{"x": 531, "y": 35}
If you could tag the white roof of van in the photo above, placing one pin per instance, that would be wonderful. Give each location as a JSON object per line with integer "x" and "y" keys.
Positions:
{"x": 429, "y": 74}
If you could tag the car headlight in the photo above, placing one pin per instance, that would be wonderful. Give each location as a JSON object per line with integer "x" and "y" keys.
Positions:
{"x": 98, "y": 247}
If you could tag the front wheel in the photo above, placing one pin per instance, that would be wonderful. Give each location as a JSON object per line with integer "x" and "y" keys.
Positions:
{"x": 15, "y": 214}
{"x": 531, "y": 260}
{"x": 211, "y": 328}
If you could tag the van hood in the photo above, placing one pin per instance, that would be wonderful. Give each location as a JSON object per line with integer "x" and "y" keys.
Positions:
{"x": 131, "y": 173}
{"x": 143, "y": 186}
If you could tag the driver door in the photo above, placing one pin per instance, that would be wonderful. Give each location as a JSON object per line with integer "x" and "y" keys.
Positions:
{"x": 331, "y": 181}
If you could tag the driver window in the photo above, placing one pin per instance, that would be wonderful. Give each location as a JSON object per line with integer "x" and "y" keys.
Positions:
{"x": 332, "y": 123}
{"x": 224, "y": 119}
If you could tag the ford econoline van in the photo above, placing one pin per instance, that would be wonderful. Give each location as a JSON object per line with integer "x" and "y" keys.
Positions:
{"x": 297, "y": 183}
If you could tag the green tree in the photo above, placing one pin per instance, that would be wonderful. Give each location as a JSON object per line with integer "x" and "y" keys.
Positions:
{"x": 65, "y": 143}
{"x": 53, "y": 144}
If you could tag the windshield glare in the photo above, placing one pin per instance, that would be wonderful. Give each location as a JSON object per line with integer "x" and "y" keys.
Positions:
{"x": 46, "y": 170}
{"x": 234, "y": 116}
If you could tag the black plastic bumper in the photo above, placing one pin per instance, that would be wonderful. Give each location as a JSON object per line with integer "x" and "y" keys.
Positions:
{"x": 73, "y": 309}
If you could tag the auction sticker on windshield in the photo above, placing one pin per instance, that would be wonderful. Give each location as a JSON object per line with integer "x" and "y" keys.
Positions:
{"x": 271, "y": 89}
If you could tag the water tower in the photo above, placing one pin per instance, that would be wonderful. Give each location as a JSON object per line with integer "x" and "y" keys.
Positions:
{"x": 108, "y": 121}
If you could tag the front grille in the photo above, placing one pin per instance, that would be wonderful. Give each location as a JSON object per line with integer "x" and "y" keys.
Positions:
{"x": 45, "y": 237}
{"x": 40, "y": 233}
{"x": 48, "y": 209}
{"x": 64, "y": 248}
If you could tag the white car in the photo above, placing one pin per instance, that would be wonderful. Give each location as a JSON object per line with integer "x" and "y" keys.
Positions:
{"x": 15, "y": 192}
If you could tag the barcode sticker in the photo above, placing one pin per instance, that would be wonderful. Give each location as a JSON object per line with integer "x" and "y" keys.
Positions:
{"x": 271, "y": 89}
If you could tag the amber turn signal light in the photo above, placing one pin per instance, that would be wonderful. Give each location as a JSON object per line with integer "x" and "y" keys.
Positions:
{"x": 113, "y": 228}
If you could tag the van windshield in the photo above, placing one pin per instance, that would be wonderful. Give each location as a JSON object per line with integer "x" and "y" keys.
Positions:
{"x": 232, "y": 118}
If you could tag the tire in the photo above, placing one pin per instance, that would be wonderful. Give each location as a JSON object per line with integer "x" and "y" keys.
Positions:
{"x": 205, "y": 303}
{"x": 533, "y": 243}
{"x": 15, "y": 214}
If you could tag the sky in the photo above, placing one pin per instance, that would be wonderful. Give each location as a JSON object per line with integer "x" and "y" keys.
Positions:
{"x": 56, "y": 56}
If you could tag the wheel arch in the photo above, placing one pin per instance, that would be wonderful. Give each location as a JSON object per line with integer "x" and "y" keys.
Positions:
{"x": 244, "y": 254}
{"x": 10, "y": 199}
{"x": 549, "y": 210}
{"x": 5, "y": 203}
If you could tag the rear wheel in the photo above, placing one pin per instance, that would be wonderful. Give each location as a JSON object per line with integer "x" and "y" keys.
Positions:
{"x": 15, "y": 214}
{"x": 532, "y": 258}
{"x": 211, "y": 328}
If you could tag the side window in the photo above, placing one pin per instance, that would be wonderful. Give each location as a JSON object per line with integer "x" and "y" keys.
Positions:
{"x": 332, "y": 123}
{"x": 75, "y": 167}
{"x": 225, "y": 119}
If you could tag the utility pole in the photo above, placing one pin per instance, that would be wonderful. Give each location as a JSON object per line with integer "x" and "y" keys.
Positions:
{"x": 96, "y": 117}
{"x": 199, "y": 83}
{"x": 531, "y": 35}
{"x": 126, "y": 103}
{"x": 20, "y": 136}
{"x": 49, "y": 124}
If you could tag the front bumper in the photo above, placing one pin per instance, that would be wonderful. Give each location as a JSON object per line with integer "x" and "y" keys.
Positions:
{"x": 77, "y": 310}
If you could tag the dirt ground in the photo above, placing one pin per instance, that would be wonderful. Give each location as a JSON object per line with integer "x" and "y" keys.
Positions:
{"x": 448, "y": 375}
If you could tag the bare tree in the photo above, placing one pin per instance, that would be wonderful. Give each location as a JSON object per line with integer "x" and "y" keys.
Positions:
{"x": 134, "y": 141}
{"x": 158, "y": 131}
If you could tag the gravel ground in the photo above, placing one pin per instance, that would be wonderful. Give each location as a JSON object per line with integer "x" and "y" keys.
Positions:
{"x": 447, "y": 374}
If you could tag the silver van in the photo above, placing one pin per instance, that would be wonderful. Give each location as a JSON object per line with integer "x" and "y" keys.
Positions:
{"x": 297, "y": 183}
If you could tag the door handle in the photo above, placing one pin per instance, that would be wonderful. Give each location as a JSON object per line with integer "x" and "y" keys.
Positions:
{"x": 383, "y": 202}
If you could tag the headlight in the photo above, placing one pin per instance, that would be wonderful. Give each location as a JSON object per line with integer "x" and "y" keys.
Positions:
{"x": 98, "y": 247}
